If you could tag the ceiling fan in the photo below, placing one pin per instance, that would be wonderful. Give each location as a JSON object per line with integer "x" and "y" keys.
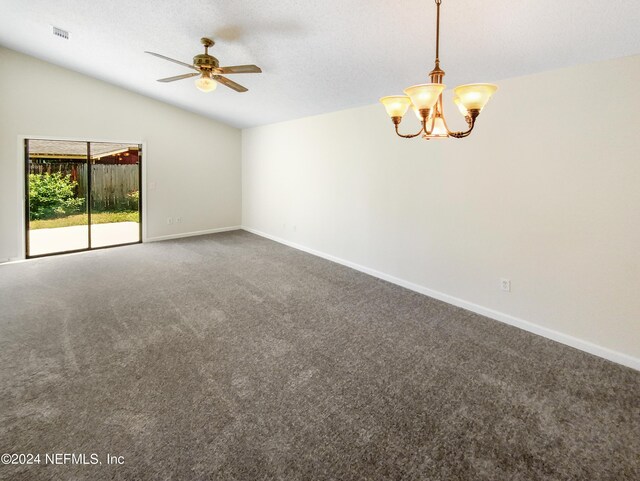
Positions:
{"x": 207, "y": 68}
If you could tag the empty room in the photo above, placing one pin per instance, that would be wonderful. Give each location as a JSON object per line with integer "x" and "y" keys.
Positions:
{"x": 311, "y": 241}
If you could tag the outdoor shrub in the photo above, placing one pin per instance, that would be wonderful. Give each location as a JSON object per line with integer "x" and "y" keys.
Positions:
{"x": 52, "y": 195}
{"x": 134, "y": 196}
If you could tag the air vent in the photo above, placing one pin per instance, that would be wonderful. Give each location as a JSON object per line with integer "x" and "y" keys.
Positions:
{"x": 58, "y": 32}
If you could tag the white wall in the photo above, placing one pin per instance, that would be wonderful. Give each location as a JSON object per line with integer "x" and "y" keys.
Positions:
{"x": 193, "y": 161}
{"x": 546, "y": 193}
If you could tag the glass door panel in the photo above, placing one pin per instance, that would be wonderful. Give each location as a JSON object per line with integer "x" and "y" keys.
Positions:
{"x": 56, "y": 188}
{"x": 115, "y": 193}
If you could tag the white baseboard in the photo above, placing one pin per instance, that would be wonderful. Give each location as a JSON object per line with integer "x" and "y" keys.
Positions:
{"x": 574, "y": 342}
{"x": 191, "y": 234}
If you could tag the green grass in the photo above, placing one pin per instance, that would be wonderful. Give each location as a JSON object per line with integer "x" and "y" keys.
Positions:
{"x": 81, "y": 219}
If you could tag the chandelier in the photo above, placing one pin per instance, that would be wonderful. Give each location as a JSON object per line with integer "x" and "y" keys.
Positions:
{"x": 426, "y": 101}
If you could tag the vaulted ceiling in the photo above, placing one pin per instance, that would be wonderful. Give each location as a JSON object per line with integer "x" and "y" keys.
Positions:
{"x": 317, "y": 56}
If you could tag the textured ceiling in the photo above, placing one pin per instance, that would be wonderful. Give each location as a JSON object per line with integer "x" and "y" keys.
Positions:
{"x": 317, "y": 56}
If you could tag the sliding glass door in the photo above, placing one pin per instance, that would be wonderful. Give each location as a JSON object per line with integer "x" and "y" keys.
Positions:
{"x": 114, "y": 194}
{"x": 81, "y": 195}
{"x": 56, "y": 209}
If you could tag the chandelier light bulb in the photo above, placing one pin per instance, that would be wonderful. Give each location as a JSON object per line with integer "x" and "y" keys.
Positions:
{"x": 206, "y": 83}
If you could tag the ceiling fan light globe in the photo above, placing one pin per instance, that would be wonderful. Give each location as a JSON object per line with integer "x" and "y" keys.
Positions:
{"x": 206, "y": 84}
{"x": 424, "y": 96}
{"x": 474, "y": 96}
{"x": 396, "y": 105}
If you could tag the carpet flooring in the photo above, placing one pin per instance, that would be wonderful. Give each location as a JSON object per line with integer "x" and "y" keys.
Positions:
{"x": 231, "y": 357}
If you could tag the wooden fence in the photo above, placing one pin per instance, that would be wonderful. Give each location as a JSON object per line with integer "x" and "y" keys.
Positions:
{"x": 111, "y": 184}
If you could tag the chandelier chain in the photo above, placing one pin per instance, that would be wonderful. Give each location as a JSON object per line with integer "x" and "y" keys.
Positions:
{"x": 438, "y": 2}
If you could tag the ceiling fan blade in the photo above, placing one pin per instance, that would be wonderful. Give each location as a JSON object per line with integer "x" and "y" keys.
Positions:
{"x": 178, "y": 77}
{"x": 230, "y": 83}
{"x": 172, "y": 60}
{"x": 240, "y": 69}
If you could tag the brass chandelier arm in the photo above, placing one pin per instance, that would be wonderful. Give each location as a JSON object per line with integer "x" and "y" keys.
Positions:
{"x": 471, "y": 122}
{"x": 406, "y": 136}
{"x": 461, "y": 135}
{"x": 397, "y": 120}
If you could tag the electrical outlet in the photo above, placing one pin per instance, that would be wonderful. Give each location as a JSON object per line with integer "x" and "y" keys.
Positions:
{"x": 178, "y": 220}
{"x": 505, "y": 285}
{"x": 169, "y": 220}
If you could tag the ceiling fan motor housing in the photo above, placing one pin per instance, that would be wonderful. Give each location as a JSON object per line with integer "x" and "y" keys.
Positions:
{"x": 205, "y": 61}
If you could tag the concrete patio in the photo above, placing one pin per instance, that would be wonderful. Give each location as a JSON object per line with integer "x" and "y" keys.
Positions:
{"x": 61, "y": 239}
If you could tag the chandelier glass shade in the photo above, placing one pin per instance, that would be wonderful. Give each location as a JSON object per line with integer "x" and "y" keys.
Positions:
{"x": 396, "y": 105}
{"x": 426, "y": 101}
{"x": 474, "y": 96}
{"x": 424, "y": 96}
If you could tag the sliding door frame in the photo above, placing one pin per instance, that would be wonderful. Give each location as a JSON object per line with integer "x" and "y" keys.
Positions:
{"x": 23, "y": 193}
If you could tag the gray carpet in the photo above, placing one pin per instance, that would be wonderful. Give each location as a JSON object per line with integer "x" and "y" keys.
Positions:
{"x": 231, "y": 357}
